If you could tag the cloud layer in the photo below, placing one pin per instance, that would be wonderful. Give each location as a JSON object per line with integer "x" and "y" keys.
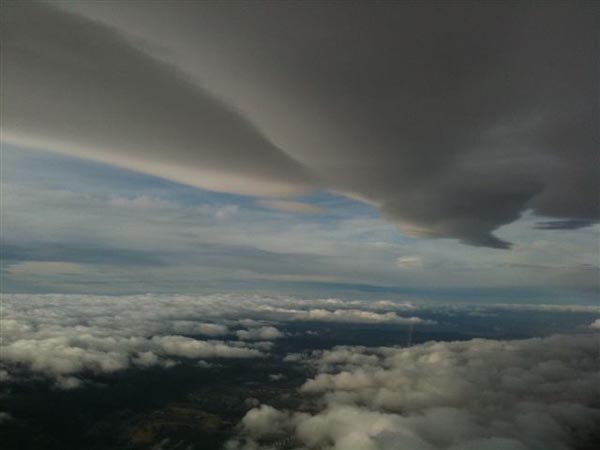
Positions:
{"x": 479, "y": 394}
{"x": 80, "y": 88}
{"x": 452, "y": 121}
{"x": 66, "y": 338}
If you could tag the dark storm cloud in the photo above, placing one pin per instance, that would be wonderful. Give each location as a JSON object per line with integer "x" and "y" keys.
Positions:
{"x": 452, "y": 120}
{"x": 81, "y": 88}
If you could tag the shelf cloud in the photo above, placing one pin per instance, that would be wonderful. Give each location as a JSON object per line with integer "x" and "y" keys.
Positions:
{"x": 451, "y": 121}
{"x": 77, "y": 87}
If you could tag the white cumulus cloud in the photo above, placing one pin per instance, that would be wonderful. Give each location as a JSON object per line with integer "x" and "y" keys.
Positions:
{"x": 68, "y": 336}
{"x": 260, "y": 334}
{"x": 480, "y": 395}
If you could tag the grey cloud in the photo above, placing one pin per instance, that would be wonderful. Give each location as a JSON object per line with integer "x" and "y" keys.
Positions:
{"x": 453, "y": 121}
{"x": 77, "y": 87}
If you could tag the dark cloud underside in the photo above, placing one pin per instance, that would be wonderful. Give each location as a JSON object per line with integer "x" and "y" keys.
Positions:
{"x": 452, "y": 120}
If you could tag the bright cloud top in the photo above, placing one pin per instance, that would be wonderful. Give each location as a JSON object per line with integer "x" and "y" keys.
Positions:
{"x": 64, "y": 336}
{"x": 479, "y": 394}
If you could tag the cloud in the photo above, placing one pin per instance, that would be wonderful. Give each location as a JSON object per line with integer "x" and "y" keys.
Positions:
{"x": 264, "y": 420}
{"x": 291, "y": 207}
{"x": 61, "y": 209}
{"x": 207, "y": 329}
{"x": 76, "y": 87}
{"x": 478, "y": 394}
{"x": 192, "y": 348}
{"x": 452, "y": 121}
{"x": 527, "y": 307}
{"x": 259, "y": 334}
{"x": 68, "y": 337}
{"x": 45, "y": 257}
{"x": 595, "y": 324}
{"x": 409, "y": 262}
{"x": 45, "y": 268}
{"x": 353, "y": 315}
{"x": 331, "y": 310}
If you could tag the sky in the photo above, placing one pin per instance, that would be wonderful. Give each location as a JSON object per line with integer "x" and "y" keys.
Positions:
{"x": 399, "y": 151}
